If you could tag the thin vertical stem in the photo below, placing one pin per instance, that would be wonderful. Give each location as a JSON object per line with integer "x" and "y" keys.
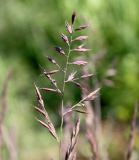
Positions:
{"x": 63, "y": 89}
{"x": 132, "y": 133}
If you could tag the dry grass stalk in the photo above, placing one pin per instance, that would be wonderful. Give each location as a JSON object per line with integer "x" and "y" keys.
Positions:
{"x": 132, "y": 134}
{"x": 96, "y": 60}
{"x": 3, "y": 106}
{"x": 9, "y": 138}
{"x": 74, "y": 157}
{"x": 3, "y": 98}
{"x": 93, "y": 144}
{"x": 90, "y": 133}
{"x": 71, "y": 151}
{"x": 90, "y": 120}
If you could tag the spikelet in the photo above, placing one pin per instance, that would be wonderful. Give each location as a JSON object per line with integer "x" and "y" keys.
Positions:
{"x": 69, "y": 28}
{"x": 80, "y": 38}
{"x": 71, "y": 77}
{"x": 73, "y": 17}
{"x": 59, "y": 50}
{"x": 81, "y": 49}
{"x": 79, "y": 62}
{"x": 53, "y": 61}
{"x": 82, "y": 27}
{"x": 65, "y": 38}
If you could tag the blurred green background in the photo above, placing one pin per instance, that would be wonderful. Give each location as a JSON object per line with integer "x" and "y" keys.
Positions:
{"x": 29, "y": 29}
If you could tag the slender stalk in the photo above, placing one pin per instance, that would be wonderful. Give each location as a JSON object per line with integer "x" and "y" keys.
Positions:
{"x": 63, "y": 89}
{"x": 131, "y": 142}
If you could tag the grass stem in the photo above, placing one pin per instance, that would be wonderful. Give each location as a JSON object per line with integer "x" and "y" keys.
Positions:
{"x": 63, "y": 90}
